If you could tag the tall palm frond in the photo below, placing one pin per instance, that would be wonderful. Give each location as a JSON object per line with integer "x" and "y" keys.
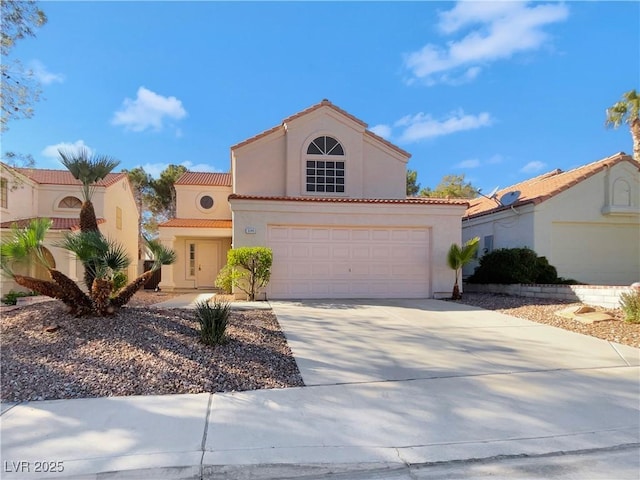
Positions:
{"x": 26, "y": 244}
{"x": 627, "y": 111}
{"x": 88, "y": 168}
{"x": 162, "y": 255}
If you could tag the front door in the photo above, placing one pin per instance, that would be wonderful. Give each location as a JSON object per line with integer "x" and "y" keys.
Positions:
{"x": 207, "y": 263}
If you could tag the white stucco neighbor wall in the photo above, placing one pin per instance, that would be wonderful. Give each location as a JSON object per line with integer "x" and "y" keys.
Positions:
{"x": 251, "y": 219}
{"x": 590, "y": 232}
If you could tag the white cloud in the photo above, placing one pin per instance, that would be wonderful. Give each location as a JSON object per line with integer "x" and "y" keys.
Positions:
{"x": 148, "y": 110}
{"x": 43, "y": 75}
{"x": 382, "y": 130}
{"x": 498, "y": 30}
{"x": 154, "y": 169}
{"x": 533, "y": 167}
{"x": 497, "y": 158}
{"x": 422, "y": 126}
{"x": 51, "y": 151}
{"x": 471, "y": 163}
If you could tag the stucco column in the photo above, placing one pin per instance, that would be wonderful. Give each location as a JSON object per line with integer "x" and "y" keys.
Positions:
{"x": 167, "y": 282}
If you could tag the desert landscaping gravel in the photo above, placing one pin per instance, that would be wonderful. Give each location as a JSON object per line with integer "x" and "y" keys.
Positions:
{"x": 140, "y": 351}
{"x": 152, "y": 351}
{"x": 544, "y": 311}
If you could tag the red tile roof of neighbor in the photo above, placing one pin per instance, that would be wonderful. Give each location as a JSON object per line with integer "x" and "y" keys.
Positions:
{"x": 401, "y": 201}
{"x": 59, "y": 223}
{"x": 196, "y": 223}
{"x": 323, "y": 103}
{"x": 64, "y": 177}
{"x": 205, "y": 179}
{"x": 543, "y": 187}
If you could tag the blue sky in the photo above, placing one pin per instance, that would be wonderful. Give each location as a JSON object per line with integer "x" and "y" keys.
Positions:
{"x": 498, "y": 91}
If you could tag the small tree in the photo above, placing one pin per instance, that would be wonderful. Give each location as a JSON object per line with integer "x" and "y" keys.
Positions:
{"x": 249, "y": 269}
{"x": 458, "y": 257}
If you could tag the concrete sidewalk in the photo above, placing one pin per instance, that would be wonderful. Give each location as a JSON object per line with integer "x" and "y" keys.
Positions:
{"x": 429, "y": 382}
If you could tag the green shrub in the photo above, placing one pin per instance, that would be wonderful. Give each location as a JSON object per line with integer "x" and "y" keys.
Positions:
{"x": 11, "y": 298}
{"x": 514, "y": 265}
{"x": 213, "y": 321}
{"x": 225, "y": 278}
{"x": 630, "y": 304}
{"x": 252, "y": 268}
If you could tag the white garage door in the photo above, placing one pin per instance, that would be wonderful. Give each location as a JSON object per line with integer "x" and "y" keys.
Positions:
{"x": 335, "y": 262}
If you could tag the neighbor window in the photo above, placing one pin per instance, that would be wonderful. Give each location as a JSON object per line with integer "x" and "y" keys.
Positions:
{"x": 70, "y": 202}
{"x": 325, "y": 172}
{"x": 4, "y": 193}
{"x": 206, "y": 202}
{"x": 118, "y": 218}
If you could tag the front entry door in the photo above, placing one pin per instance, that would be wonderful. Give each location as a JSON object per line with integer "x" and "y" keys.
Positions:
{"x": 207, "y": 263}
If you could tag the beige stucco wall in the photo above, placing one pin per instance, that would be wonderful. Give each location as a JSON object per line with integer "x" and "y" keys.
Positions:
{"x": 274, "y": 165}
{"x": 259, "y": 167}
{"x": 443, "y": 220}
{"x": 188, "y": 202}
{"x": 22, "y": 196}
{"x": 581, "y": 231}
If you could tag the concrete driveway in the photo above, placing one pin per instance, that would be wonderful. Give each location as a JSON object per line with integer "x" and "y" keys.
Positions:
{"x": 350, "y": 341}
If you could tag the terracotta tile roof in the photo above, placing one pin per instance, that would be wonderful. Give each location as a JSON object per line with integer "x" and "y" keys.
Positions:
{"x": 64, "y": 177}
{"x": 196, "y": 223}
{"x": 59, "y": 223}
{"x": 205, "y": 179}
{"x": 543, "y": 187}
{"x": 401, "y": 201}
{"x": 323, "y": 103}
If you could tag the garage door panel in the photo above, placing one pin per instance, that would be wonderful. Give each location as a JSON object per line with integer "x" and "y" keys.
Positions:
{"x": 341, "y": 262}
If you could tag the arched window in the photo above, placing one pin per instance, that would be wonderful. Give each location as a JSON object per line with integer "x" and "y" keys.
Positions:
{"x": 70, "y": 202}
{"x": 325, "y": 171}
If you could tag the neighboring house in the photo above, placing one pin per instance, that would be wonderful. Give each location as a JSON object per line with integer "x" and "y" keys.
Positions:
{"x": 29, "y": 193}
{"x": 329, "y": 197}
{"x": 586, "y": 221}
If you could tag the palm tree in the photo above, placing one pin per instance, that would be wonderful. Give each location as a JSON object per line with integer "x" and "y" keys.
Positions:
{"x": 458, "y": 257}
{"x": 105, "y": 256}
{"x": 89, "y": 169}
{"x": 627, "y": 111}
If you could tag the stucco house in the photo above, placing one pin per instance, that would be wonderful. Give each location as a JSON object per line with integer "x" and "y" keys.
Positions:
{"x": 586, "y": 221}
{"x": 329, "y": 197}
{"x": 28, "y": 193}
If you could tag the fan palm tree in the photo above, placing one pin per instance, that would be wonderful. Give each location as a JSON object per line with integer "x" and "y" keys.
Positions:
{"x": 104, "y": 255}
{"x": 627, "y": 111}
{"x": 89, "y": 169}
{"x": 458, "y": 257}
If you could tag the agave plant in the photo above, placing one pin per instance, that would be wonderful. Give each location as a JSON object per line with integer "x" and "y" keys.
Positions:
{"x": 104, "y": 256}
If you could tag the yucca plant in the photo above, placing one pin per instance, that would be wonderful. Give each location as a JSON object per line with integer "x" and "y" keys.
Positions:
{"x": 213, "y": 321}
